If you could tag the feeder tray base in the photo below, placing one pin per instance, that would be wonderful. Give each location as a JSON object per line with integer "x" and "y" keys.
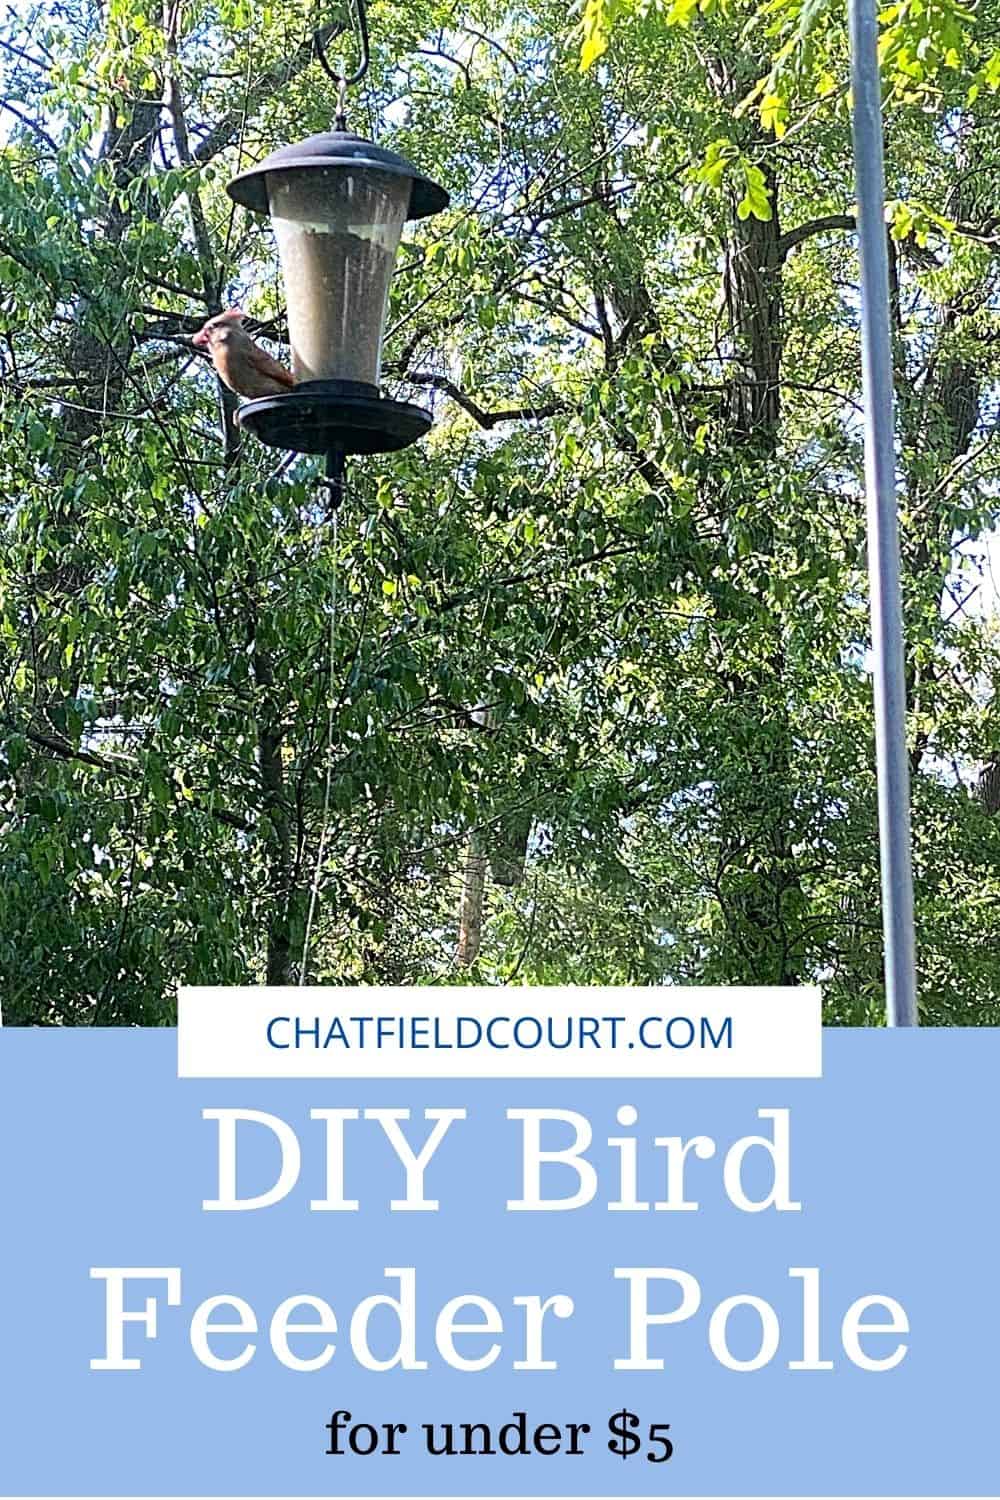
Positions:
{"x": 327, "y": 416}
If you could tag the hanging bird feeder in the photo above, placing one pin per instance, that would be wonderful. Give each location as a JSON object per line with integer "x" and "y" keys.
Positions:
{"x": 338, "y": 204}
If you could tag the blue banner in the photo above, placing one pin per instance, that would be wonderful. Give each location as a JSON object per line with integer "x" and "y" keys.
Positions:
{"x": 816, "y": 1307}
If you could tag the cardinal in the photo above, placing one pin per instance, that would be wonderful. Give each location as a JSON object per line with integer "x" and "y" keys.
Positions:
{"x": 241, "y": 364}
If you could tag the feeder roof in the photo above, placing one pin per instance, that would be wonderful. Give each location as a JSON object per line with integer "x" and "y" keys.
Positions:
{"x": 336, "y": 148}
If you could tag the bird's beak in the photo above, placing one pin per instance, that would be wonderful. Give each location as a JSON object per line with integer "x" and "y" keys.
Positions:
{"x": 200, "y": 339}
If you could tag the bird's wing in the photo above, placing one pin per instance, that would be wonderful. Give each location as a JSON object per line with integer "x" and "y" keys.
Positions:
{"x": 265, "y": 365}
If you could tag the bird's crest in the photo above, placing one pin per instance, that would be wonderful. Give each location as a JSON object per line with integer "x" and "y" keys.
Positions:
{"x": 221, "y": 320}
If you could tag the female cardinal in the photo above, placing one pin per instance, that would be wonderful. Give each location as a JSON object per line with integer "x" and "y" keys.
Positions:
{"x": 241, "y": 364}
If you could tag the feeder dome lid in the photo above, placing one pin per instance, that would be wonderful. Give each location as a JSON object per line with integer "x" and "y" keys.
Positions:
{"x": 333, "y": 149}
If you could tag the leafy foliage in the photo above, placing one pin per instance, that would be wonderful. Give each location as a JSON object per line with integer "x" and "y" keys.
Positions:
{"x": 610, "y": 618}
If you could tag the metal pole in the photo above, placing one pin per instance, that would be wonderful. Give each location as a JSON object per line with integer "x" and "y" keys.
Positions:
{"x": 883, "y": 524}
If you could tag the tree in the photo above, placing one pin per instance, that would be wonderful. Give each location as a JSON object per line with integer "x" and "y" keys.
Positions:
{"x": 606, "y": 627}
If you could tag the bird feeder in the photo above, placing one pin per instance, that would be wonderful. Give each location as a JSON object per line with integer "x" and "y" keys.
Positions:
{"x": 338, "y": 204}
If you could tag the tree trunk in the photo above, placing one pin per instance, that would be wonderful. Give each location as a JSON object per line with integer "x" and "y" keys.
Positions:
{"x": 510, "y": 848}
{"x": 470, "y": 924}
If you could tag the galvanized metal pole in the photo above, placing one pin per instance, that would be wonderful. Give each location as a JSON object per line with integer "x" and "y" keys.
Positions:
{"x": 883, "y": 524}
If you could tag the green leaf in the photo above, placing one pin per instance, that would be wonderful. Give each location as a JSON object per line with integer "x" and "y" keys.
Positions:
{"x": 597, "y": 19}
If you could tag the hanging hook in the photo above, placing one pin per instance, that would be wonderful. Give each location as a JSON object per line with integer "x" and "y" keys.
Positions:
{"x": 345, "y": 80}
{"x": 340, "y": 118}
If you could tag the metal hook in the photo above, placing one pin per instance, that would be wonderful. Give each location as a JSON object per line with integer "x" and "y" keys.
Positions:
{"x": 340, "y": 119}
{"x": 345, "y": 80}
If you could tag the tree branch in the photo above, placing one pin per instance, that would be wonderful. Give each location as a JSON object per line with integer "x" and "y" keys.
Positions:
{"x": 485, "y": 419}
{"x": 66, "y": 751}
{"x": 30, "y": 124}
{"x": 175, "y": 103}
{"x": 793, "y": 237}
{"x": 264, "y": 87}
